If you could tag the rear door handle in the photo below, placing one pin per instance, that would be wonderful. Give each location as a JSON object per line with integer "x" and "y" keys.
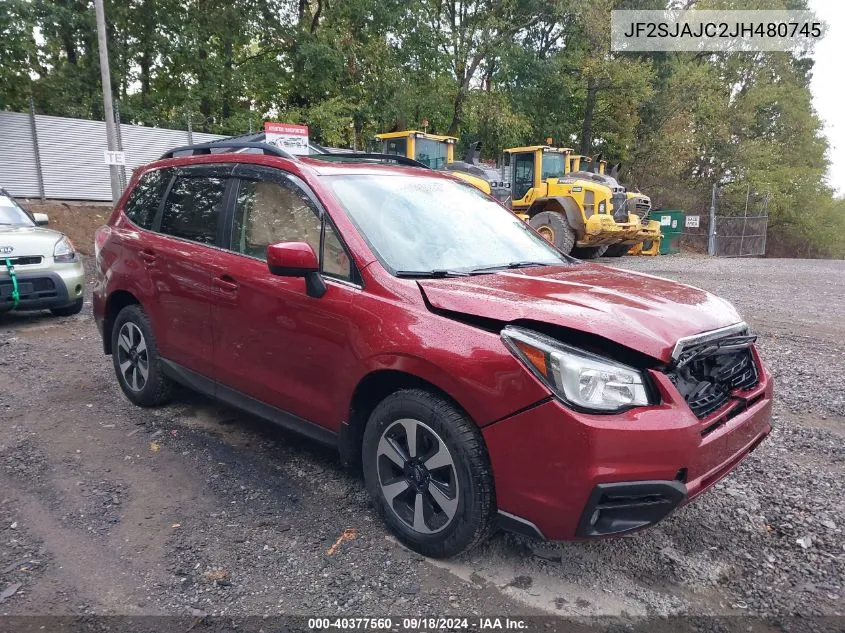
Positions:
{"x": 225, "y": 282}
{"x": 148, "y": 256}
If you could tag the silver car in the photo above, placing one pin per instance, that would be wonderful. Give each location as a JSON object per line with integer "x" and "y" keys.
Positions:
{"x": 39, "y": 268}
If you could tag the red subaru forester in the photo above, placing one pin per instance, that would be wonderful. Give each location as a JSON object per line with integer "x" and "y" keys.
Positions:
{"x": 482, "y": 378}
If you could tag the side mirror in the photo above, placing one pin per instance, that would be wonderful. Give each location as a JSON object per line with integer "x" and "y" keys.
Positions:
{"x": 297, "y": 259}
{"x": 41, "y": 219}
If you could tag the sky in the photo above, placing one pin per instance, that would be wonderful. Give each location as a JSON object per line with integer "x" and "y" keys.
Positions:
{"x": 827, "y": 85}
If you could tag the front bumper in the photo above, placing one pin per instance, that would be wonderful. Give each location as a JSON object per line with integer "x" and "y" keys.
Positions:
{"x": 58, "y": 286}
{"x": 554, "y": 467}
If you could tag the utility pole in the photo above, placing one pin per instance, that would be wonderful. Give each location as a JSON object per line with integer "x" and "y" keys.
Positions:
{"x": 711, "y": 241}
{"x": 108, "y": 108}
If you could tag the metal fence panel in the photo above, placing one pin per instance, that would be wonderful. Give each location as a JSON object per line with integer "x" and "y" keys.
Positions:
{"x": 72, "y": 154}
{"x": 741, "y": 236}
{"x": 18, "y": 173}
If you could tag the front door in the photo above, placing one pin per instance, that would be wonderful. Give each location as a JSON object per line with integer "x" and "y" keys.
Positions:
{"x": 273, "y": 342}
{"x": 523, "y": 175}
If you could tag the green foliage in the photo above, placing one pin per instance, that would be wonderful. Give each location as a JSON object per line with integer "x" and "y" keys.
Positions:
{"x": 503, "y": 72}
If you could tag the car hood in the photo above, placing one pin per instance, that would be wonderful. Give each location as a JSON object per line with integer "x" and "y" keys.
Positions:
{"x": 638, "y": 311}
{"x": 27, "y": 240}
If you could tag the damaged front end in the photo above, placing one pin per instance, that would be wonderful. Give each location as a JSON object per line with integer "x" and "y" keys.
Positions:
{"x": 710, "y": 369}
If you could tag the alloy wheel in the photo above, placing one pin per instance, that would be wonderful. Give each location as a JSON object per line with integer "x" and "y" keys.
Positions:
{"x": 417, "y": 476}
{"x": 132, "y": 356}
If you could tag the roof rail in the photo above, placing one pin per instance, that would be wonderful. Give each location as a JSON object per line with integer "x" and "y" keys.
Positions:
{"x": 205, "y": 148}
{"x": 351, "y": 157}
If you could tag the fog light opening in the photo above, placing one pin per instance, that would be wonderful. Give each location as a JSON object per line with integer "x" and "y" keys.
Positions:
{"x": 595, "y": 518}
{"x": 78, "y": 289}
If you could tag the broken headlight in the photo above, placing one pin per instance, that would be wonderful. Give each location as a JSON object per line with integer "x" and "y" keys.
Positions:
{"x": 580, "y": 379}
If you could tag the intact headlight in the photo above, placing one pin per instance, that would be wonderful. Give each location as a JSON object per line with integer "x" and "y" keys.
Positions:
{"x": 581, "y": 379}
{"x": 63, "y": 251}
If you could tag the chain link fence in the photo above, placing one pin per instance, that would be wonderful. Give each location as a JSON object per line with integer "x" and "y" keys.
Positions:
{"x": 738, "y": 227}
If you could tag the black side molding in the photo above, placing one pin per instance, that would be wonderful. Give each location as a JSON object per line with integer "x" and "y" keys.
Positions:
{"x": 207, "y": 386}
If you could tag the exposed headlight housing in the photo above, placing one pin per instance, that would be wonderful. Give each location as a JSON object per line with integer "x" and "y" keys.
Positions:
{"x": 602, "y": 207}
{"x": 582, "y": 380}
{"x": 64, "y": 251}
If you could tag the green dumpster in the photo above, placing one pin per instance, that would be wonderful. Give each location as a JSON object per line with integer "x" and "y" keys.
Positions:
{"x": 671, "y": 226}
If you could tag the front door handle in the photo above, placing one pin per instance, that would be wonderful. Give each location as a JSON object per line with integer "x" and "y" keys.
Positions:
{"x": 227, "y": 283}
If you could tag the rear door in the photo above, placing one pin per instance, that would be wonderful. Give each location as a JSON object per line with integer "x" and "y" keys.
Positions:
{"x": 273, "y": 342}
{"x": 184, "y": 263}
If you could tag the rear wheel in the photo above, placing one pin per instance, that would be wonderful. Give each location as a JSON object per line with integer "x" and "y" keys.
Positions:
{"x": 427, "y": 471}
{"x": 588, "y": 252}
{"x": 136, "y": 360}
{"x": 617, "y": 250}
{"x": 554, "y": 227}
{"x": 73, "y": 308}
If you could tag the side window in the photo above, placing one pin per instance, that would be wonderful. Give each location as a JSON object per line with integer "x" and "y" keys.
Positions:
{"x": 193, "y": 207}
{"x": 270, "y": 212}
{"x": 142, "y": 204}
{"x": 335, "y": 260}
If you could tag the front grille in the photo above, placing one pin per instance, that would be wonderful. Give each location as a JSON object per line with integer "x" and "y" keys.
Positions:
{"x": 28, "y": 260}
{"x": 640, "y": 206}
{"x": 708, "y": 376}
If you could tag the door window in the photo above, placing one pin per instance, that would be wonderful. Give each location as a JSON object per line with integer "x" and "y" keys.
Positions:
{"x": 268, "y": 212}
{"x": 193, "y": 207}
{"x": 143, "y": 201}
{"x": 523, "y": 180}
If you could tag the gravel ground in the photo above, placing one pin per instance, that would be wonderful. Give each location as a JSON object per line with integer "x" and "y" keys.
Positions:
{"x": 196, "y": 508}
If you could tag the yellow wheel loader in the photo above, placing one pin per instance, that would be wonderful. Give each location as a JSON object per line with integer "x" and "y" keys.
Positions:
{"x": 630, "y": 209}
{"x": 565, "y": 198}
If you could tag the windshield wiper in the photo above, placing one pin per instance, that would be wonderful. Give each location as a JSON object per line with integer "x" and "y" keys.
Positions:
{"x": 510, "y": 266}
{"x": 430, "y": 274}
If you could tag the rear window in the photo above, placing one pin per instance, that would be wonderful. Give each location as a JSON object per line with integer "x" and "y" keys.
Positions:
{"x": 143, "y": 201}
{"x": 193, "y": 207}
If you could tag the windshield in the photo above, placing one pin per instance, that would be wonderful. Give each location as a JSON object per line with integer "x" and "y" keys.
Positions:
{"x": 553, "y": 165}
{"x": 428, "y": 225}
{"x": 11, "y": 214}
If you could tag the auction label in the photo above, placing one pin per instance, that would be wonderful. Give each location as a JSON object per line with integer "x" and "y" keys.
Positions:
{"x": 427, "y": 623}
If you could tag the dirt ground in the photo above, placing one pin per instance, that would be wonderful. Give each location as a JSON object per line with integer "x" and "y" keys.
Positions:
{"x": 77, "y": 220}
{"x": 196, "y": 508}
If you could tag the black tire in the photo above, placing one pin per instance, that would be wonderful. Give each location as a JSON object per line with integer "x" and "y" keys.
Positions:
{"x": 617, "y": 250}
{"x": 555, "y": 228}
{"x": 468, "y": 472}
{"x": 157, "y": 389}
{"x": 588, "y": 252}
{"x": 73, "y": 308}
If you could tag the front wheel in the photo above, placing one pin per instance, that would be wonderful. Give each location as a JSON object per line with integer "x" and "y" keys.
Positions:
{"x": 427, "y": 471}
